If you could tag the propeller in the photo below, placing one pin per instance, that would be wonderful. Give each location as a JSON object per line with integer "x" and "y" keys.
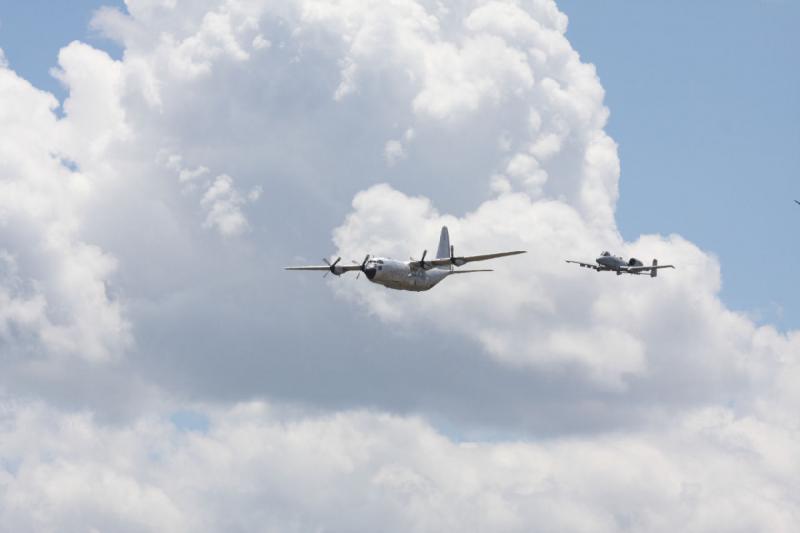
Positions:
{"x": 457, "y": 261}
{"x": 332, "y": 267}
{"x": 422, "y": 264}
{"x": 363, "y": 266}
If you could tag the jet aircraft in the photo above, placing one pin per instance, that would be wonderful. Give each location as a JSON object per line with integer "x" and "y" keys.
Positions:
{"x": 412, "y": 275}
{"x": 606, "y": 261}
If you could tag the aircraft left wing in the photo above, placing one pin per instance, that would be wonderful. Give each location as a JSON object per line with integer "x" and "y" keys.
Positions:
{"x": 636, "y": 269}
{"x": 458, "y": 261}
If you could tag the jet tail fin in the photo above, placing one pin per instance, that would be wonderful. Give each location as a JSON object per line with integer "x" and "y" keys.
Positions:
{"x": 444, "y": 244}
{"x": 654, "y": 272}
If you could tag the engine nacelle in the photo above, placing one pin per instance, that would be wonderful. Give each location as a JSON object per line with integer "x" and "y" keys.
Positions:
{"x": 634, "y": 262}
{"x": 457, "y": 261}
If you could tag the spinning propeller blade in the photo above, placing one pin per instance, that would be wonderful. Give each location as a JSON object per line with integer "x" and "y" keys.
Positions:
{"x": 363, "y": 266}
{"x": 332, "y": 267}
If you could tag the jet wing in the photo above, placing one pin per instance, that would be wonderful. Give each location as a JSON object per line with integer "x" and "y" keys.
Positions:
{"x": 458, "y": 261}
{"x": 584, "y": 265}
{"x": 636, "y": 269}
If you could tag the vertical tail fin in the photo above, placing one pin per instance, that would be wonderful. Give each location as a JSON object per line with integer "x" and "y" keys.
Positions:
{"x": 444, "y": 244}
{"x": 654, "y": 272}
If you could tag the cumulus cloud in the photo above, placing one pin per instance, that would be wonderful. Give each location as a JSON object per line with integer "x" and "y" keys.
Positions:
{"x": 537, "y": 311}
{"x": 257, "y": 467}
{"x": 224, "y": 206}
{"x": 54, "y": 284}
{"x": 537, "y": 397}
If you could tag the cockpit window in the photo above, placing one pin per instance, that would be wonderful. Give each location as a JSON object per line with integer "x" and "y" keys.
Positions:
{"x": 605, "y": 254}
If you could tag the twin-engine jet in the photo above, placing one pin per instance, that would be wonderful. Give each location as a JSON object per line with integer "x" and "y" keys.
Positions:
{"x": 611, "y": 263}
{"x": 410, "y": 275}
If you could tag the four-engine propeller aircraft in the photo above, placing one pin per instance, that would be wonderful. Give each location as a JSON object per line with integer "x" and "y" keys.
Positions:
{"x": 410, "y": 275}
{"x": 606, "y": 261}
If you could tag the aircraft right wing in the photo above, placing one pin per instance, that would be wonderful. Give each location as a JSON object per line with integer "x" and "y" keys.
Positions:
{"x": 584, "y": 265}
{"x": 322, "y": 268}
{"x": 637, "y": 269}
{"x": 333, "y": 268}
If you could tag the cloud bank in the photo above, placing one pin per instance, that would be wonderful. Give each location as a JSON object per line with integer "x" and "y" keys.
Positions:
{"x": 144, "y": 223}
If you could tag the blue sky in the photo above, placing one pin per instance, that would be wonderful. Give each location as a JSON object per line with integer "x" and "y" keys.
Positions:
{"x": 32, "y": 32}
{"x": 704, "y": 106}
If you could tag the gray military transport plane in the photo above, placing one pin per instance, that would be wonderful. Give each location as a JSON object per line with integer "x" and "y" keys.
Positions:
{"x": 410, "y": 275}
{"x": 606, "y": 261}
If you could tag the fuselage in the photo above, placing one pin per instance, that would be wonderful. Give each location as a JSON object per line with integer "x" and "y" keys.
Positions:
{"x": 399, "y": 275}
{"x": 611, "y": 262}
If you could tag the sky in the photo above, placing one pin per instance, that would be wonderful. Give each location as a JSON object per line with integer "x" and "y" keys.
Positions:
{"x": 716, "y": 159}
{"x": 162, "y": 160}
{"x": 31, "y": 41}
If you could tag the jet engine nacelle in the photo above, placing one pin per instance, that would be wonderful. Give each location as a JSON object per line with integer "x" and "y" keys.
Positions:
{"x": 635, "y": 262}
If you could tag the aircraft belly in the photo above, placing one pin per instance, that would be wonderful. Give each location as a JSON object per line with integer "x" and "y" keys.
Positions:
{"x": 400, "y": 280}
{"x": 402, "y": 285}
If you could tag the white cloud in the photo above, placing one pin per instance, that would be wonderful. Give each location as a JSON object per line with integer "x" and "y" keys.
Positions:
{"x": 54, "y": 283}
{"x": 662, "y": 409}
{"x": 191, "y": 174}
{"x": 224, "y": 203}
{"x": 255, "y": 469}
{"x": 394, "y": 151}
{"x": 260, "y": 43}
{"x": 556, "y": 173}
